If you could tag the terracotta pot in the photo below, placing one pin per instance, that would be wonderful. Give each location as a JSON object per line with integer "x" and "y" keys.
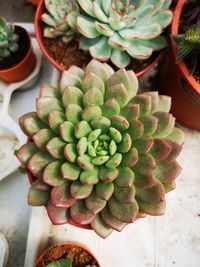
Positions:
{"x": 39, "y": 35}
{"x": 33, "y": 2}
{"x": 23, "y": 69}
{"x": 177, "y": 82}
{"x": 40, "y": 259}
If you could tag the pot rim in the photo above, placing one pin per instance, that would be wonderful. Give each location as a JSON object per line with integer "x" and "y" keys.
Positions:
{"x": 181, "y": 65}
{"x": 39, "y": 37}
{"x": 13, "y": 68}
{"x": 70, "y": 243}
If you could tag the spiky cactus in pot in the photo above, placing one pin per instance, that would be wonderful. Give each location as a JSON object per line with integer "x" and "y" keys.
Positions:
{"x": 8, "y": 39}
{"x": 102, "y": 156}
{"x": 119, "y": 30}
{"x": 55, "y": 19}
{"x": 188, "y": 47}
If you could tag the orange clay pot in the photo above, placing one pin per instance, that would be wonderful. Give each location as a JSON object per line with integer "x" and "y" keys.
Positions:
{"x": 40, "y": 259}
{"x": 33, "y": 2}
{"x": 177, "y": 82}
{"x": 39, "y": 35}
{"x": 23, "y": 69}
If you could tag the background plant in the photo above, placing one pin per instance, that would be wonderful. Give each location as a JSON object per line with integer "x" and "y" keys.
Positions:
{"x": 188, "y": 41}
{"x": 55, "y": 19}
{"x": 8, "y": 39}
{"x": 102, "y": 156}
{"x": 121, "y": 30}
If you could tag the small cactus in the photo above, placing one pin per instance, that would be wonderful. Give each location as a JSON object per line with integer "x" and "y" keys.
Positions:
{"x": 102, "y": 156}
{"x": 55, "y": 19}
{"x": 8, "y": 39}
{"x": 188, "y": 43}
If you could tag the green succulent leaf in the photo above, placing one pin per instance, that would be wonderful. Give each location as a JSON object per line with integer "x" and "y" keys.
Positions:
{"x": 61, "y": 197}
{"x": 100, "y": 227}
{"x": 57, "y": 215}
{"x": 38, "y": 197}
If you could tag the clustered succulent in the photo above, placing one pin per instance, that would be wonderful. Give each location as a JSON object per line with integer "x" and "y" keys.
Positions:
{"x": 55, "y": 19}
{"x": 120, "y": 30}
{"x": 102, "y": 156}
{"x": 8, "y": 39}
{"x": 65, "y": 263}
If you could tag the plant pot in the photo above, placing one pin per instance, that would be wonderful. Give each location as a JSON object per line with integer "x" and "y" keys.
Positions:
{"x": 24, "y": 67}
{"x": 42, "y": 260}
{"x": 39, "y": 35}
{"x": 33, "y": 2}
{"x": 176, "y": 81}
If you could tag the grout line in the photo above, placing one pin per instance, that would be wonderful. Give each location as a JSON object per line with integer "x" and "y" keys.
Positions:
{"x": 100, "y": 250}
{"x": 155, "y": 242}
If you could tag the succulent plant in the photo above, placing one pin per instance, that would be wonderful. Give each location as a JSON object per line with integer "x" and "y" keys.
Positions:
{"x": 188, "y": 42}
{"x": 65, "y": 263}
{"x": 8, "y": 39}
{"x": 61, "y": 263}
{"x": 120, "y": 30}
{"x": 55, "y": 19}
{"x": 102, "y": 156}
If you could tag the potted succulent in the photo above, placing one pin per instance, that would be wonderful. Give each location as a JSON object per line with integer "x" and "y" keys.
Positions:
{"x": 67, "y": 255}
{"x": 122, "y": 33}
{"x": 100, "y": 156}
{"x": 17, "y": 60}
{"x": 181, "y": 73}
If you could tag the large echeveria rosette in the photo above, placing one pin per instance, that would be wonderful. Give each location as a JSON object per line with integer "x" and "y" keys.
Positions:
{"x": 102, "y": 155}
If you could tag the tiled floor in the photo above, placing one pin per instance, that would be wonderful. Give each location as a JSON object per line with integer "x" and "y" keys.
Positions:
{"x": 178, "y": 232}
{"x": 167, "y": 241}
{"x": 16, "y": 10}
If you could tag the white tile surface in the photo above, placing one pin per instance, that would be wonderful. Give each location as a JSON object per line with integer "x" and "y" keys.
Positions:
{"x": 190, "y": 157}
{"x": 178, "y": 232}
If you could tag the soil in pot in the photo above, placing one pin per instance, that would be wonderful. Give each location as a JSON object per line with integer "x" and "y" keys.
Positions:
{"x": 78, "y": 255}
{"x": 66, "y": 55}
{"x": 24, "y": 45}
{"x": 70, "y": 54}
